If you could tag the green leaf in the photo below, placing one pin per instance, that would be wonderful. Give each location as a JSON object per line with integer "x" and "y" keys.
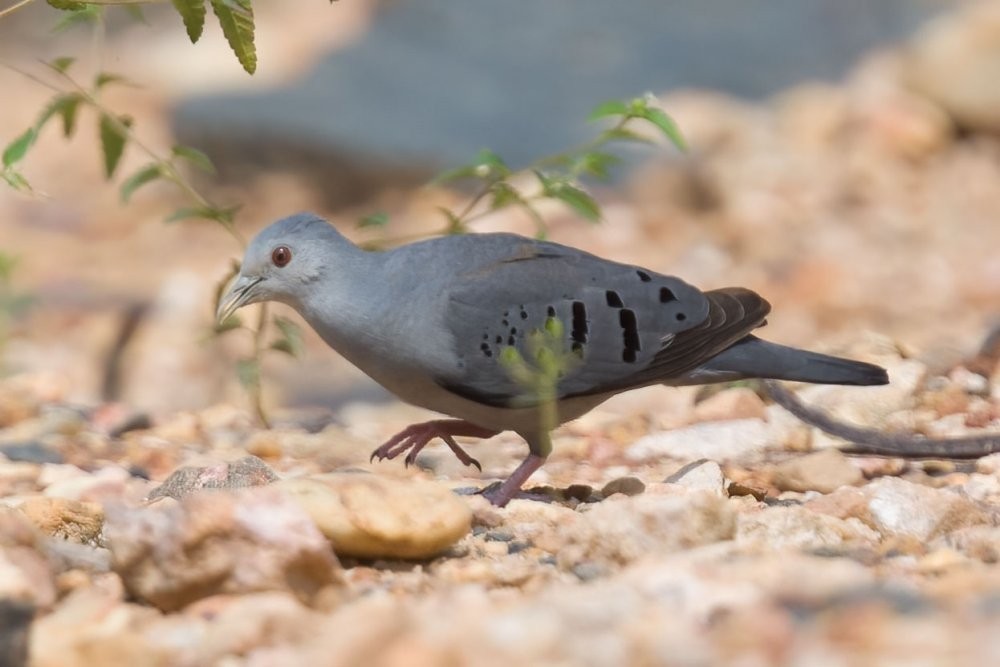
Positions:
{"x": 79, "y": 16}
{"x": 577, "y": 199}
{"x": 221, "y": 215}
{"x": 61, "y": 64}
{"x": 503, "y": 195}
{"x": 622, "y": 134}
{"x": 596, "y": 164}
{"x": 195, "y": 157}
{"x": 193, "y": 14}
{"x": 291, "y": 337}
{"x": 609, "y": 108}
{"x": 231, "y": 323}
{"x": 248, "y": 372}
{"x": 113, "y": 139}
{"x": 15, "y": 180}
{"x": 149, "y": 173}
{"x": 72, "y": 5}
{"x": 18, "y": 148}
{"x": 236, "y": 19}
{"x": 104, "y": 78}
{"x": 666, "y": 124}
{"x": 487, "y": 166}
{"x": 378, "y": 219}
{"x": 64, "y": 106}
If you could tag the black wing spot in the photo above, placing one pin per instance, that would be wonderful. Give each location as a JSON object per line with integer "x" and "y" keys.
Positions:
{"x": 643, "y": 276}
{"x": 552, "y": 311}
{"x": 630, "y": 334}
{"x": 486, "y": 336}
{"x": 511, "y": 341}
{"x": 614, "y": 300}
{"x": 505, "y": 323}
{"x": 681, "y": 317}
{"x": 499, "y": 339}
{"x": 666, "y": 296}
{"x": 524, "y": 315}
{"x": 580, "y": 328}
{"x": 485, "y": 347}
{"x": 513, "y": 331}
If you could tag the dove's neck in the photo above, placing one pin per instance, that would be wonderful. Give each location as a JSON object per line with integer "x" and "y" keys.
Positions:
{"x": 346, "y": 304}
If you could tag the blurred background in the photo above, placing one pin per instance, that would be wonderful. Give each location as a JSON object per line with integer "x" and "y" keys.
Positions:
{"x": 844, "y": 161}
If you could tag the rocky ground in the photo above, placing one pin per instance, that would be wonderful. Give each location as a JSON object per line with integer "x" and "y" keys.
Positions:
{"x": 671, "y": 526}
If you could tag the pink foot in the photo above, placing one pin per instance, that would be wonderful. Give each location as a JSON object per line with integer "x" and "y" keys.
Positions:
{"x": 511, "y": 487}
{"x": 413, "y": 438}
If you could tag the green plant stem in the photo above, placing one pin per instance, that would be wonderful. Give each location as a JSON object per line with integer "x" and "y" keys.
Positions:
{"x": 167, "y": 167}
{"x": 256, "y": 390}
{"x": 169, "y": 170}
{"x": 18, "y": 5}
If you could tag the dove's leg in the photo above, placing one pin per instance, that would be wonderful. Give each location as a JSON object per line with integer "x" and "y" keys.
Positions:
{"x": 415, "y": 437}
{"x": 540, "y": 448}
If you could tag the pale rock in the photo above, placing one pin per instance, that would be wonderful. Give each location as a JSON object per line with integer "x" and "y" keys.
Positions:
{"x": 989, "y": 465}
{"x": 735, "y": 403}
{"x": 622, "y": 529}
{"x": 904, "y": 509}
{"x": 825, "y": 471}
{"x": 67, "y": 519}
{"x": 955, "y": 61}
{"x": 94, "y": 626}
{"x": 109, "y": 483}
{"x": 370, "y": 516}
{"x": 25, "y": 573}
{"x": 701, "y": 476}
{"x": 229, "y": 626}
{"x": 173, "y": 553}
{"x": 801, "y": 528}
{"x": 983, "y": 488}
{"x": 869, "y": 406}
{"x": 979, "y": 542}
{"x": 738, "y": 440}
{"x": 246, "y": 472}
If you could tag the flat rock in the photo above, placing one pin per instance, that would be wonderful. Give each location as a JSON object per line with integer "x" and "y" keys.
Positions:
{"x": 801, "y": 528}
{"x": 247, "y": 472}
{"x": 370, "y": 516}
{"x": 735, "y": 403}
{"x": 25, "y": 573}
{"x": 740, "y": 440}
{"x": 67, "y": 519}
{"x": 901, "y": 508}
{"x": 824, "y": 471}
{"x": 701, "y": 475}
{"x": 173, "y": 553}
{"x": 954, "y": 62}
{"x": 623, "y": 529}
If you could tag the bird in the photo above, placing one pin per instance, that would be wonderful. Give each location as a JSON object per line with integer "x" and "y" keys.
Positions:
{"x": 501, "y": 332}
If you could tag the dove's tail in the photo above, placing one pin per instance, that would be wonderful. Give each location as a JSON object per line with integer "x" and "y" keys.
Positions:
{"x": 752, "y": 357}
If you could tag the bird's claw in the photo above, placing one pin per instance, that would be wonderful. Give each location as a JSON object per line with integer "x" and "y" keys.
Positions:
{"x": 413, "y": 439}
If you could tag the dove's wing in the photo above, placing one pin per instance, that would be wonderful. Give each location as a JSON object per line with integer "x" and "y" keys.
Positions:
{"x": 622, "y": 326}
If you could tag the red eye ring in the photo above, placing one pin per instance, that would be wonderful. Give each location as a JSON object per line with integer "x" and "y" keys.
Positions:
{"x": 281, "y": 256}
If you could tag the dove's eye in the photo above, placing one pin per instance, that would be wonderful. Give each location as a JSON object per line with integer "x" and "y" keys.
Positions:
{"x": 281, "y": 256}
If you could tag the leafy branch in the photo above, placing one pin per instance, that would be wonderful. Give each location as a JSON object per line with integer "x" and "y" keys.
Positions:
{"x": 554, "y": 177}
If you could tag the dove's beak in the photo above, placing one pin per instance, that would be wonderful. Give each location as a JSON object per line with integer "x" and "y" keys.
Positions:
{"x": 241, "y": 293}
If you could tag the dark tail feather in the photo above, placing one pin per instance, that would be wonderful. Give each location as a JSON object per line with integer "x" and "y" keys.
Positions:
{"x": 756, "y": 358}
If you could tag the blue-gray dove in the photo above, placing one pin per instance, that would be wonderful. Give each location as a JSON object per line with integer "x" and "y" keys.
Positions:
{"x": 492, "y": 328}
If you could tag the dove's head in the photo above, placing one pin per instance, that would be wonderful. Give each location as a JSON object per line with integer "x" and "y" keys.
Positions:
{"x": 283, "y": 261}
